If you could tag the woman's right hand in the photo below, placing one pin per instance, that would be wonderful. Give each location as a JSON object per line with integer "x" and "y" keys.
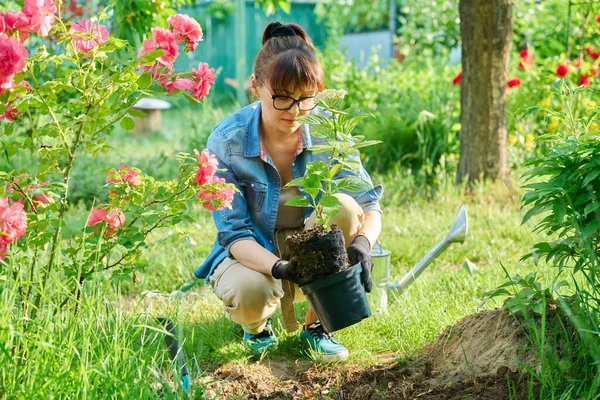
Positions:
{"x": 283, "y": 269}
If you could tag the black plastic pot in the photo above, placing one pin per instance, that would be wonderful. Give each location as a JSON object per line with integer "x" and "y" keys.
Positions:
{"x": 339, "y": 300}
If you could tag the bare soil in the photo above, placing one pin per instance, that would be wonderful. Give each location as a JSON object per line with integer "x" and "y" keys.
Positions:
{"x": 480, "y": 357}
{"x": 317, "y": 253}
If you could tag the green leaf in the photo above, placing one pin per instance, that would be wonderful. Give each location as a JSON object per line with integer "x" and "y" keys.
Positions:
{"x": 316, "y": 167}
{"x": 127, "y": 123}
{"x": 470, "y": 267}
{"x": 298, "y": 201}
{"x": 314, "y": 119}
{"x": 312, "y": 182}
{"x": 296, "y": 182}
{"x": 321, "y": 149}
{"x": 366, "y": 143}
{"x": 591, "y": 207}
{"x": 136, "y": 113}
{"x": 533, "y": 211}
{"x": 560, "y": 209}
{"x": 312, "y": 192}
{"x": 591, "y": 228}
{"x": 330, "y": 202}
{"x": 590, "y": 177}
{"x": 531, "y": 110}
{"x": 145, "y": 80}
{"x": 323, "y": 131}
{"x": 352, "y": 184}
{"x": 335, "y": 169}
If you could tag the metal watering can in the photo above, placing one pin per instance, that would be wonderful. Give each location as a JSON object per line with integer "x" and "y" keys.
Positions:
{"x": 381, "y": 263}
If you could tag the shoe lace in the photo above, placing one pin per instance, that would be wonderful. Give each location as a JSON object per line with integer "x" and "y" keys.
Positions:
{"x": 267, "y": 332}
{"x": 316, "y": 330}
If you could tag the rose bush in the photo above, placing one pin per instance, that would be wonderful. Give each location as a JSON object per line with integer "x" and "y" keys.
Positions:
{"x": 54, "y": 117}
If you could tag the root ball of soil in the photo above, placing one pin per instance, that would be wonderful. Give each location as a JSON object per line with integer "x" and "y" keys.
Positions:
{"x": 317, "y": 253}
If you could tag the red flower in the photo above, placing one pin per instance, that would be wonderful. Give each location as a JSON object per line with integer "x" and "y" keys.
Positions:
{"x": 513, "y": 82}
{"x": 562, "y": 70}
{"x": 589, "y": 51}
{"x": 585, "y": 80}
{"x": 457, "y": 79}
{"x": 595, "y": 71}
{"x": 526, "y": 59}
{"x": 598, "y": 18}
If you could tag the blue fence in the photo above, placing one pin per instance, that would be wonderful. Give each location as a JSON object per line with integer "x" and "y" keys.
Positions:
{"x": 218, "y": 48}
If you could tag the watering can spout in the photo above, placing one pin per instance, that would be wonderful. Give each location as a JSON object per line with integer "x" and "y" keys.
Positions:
{"x": 460, "y": 226}
{"x": 457, "y": 234}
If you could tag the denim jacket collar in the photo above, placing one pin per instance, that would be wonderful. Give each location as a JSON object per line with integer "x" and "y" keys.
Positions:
{"x": 252, "y": 139}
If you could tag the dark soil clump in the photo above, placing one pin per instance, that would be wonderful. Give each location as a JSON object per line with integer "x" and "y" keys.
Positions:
{"x": 317, "y": 253}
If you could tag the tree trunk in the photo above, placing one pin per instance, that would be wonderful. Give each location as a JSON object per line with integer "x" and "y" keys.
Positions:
{"x": 486, "y": 29}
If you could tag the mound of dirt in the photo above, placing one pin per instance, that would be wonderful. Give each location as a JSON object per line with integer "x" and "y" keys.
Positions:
{"x": 480, "y": 344}
{"x": 480, "y": 357}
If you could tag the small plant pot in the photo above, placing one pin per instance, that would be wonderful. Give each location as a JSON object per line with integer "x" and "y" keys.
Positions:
{"x": 339, "y": 300}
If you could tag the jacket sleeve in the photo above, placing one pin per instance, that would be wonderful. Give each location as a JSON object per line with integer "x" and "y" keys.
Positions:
{"x": 233, "y": 224}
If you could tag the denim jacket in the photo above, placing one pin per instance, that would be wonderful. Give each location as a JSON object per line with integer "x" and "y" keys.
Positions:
{"x": 236, "y": 143}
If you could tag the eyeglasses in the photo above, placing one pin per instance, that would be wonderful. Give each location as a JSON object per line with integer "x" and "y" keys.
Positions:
{"x": 283, "y": 103}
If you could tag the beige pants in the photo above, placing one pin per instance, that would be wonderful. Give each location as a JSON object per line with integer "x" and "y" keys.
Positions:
{"x": 250, "y": 297}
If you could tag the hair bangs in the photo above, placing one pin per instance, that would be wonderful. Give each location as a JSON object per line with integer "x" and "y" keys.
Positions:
{"x": 290, "y": 71}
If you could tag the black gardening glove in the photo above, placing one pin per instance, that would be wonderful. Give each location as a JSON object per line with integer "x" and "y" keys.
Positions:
{"x": 358, "y": 252}
{"x": 282, "y": 269}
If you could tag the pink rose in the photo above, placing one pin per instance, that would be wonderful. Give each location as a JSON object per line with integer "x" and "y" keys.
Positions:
{"x": 178, "y": 84}
{"x": 96, "y": 215}
{"x": 12, "y": 60}
{"x": 115, "y": 219}
{"x": 91, "y": 35}
{"x": 124, "y": 174}
{"x": 223, "y": 198}
{"x": 164, "y": 39}
{"x": 562, "y": 70}
{"x": 513, "y": 82}
{"x": 15, "y": 22}
{"x": 10, "y": 114}
{"x": 219, "y": 193}
{"x": 185, "y": 28}
{"x": 13, "y": 221}
{"x": 3, "y": 250}
{"x": 584, "y": 81}
{"x": 203, "y": 77}
{"x": 457, "y": 79}
{"x": 40, "y": 14}
{"x": 208, "y": 166}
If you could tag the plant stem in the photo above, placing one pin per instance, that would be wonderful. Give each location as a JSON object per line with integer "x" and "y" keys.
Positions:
{"x": 64, "y": 206}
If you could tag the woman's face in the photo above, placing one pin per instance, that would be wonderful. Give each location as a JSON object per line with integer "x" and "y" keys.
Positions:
{"x": 282, "y": 121}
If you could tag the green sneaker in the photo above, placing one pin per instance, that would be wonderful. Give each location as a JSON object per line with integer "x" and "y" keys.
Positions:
{"x": 322, "y": 344}
{"x": 261, "y": 342}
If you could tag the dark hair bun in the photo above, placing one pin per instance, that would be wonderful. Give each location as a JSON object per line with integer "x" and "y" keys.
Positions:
{"x": 278, "y": 30}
